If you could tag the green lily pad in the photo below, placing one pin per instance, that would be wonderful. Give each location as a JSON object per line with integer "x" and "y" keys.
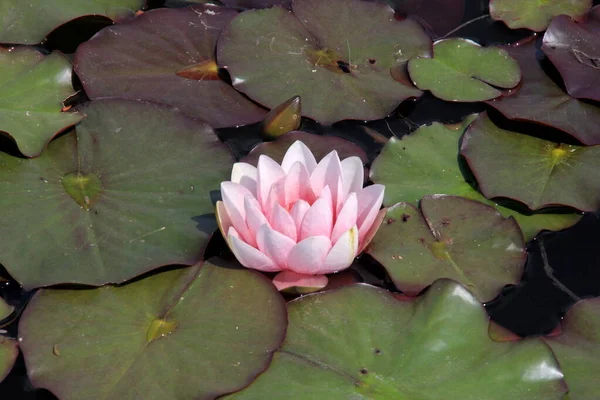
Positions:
{"x": 317, "y": 51}
{"x": 450, "y": 237}
{"x": 359, "y": 342}
{"x": 29, "y": 22}
{"x": 193, "y": 333}
{"x": 5, "y": 309}
{"x": 462, "y": 70}
{"x": 9, "y": 350}
{"x": 577, "y": 349}
{"x": 535, "y": 14}
{"x": 533, "y": 171}
{"x": 166, "y": 56}
{"x": 33, "y": 89}
{"x": 426, "y": 162}
{"x": 125, "y": 193}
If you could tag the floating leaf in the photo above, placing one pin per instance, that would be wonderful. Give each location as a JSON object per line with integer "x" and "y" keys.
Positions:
{"x": 166, "y": 56}
{"x": 284, "y": 118}
{"x": 359, "y": 342}
{"x": 461, "y": 70}
{"x": 535, "y": 14}
{"x": 337, "y": 62}
{"x": 577, "y": 349}
{"x": 540, "y": 100}
{"x": 126, "y": 193}
{"x": 33, "y": 89}
{"x": 9, "y": 350}
{"x": 574, "y": 49}
{"x": 5, "y": 309}
{"x": 450, "y": 237}
{"x": 29, "y": 22}
{"x": 533, "y": 171}
{"x": 257, "y": 3}
{"x": 193, "y": 333}
{"x": 425, "y": 162}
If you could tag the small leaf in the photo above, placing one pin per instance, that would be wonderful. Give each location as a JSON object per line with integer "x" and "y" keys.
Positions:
{"x": 282, "y": 119}
{"x": 535, "y": 14}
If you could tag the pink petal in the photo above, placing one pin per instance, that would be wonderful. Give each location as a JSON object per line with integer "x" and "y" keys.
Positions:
{"x": 308, "y": 255}
{"x": 364, "y": 241}
{"x": 233, "y": 195}
{"x": 254, "y": 215}
{"x": 318, "y": 220}
{"x": 283, "y": 222}
{"x": 289, "y": 279}
{"x": 342, "y": 253}
{"x": 327, "y": 173}
{"x": 276, "y": 197}
{"x": 369, "y": 203}
{"x": 352, "y": 175}
{"x": 275, "y": 245}
{"x": 298, "y": 152}
{"x": 298, "y": 213}
{"x": 346, "y": 219}
{"x": 222, "y": 218}
{"x": 296, "y": 184}
{"x": 268, "y": 173}
{"x": 247, "y": 255}
{"x": 244, "y": 174}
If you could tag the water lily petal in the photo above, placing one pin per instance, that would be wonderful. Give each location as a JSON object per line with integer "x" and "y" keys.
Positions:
{"x": 289, "y": 279}
{"x": 366, "y": 239}
{"x": 254, "y": 215}
{"x": 275, "y": 245}
{"x": 369, "y": 203}
{"x": 342, "y": 253}
{"x": 296, "y": 184}
{"x": 353, "y": 175}
{"x": 298, "y": 152}
{"x": 222, "y": 218}
{"x": 233, "y": 195}
{"x": 318, "y": 220}
{"x": 282, "y": 221}
{"x": 346, "y": 219}
{"x": 268, "y": 173}
{"x": 327, "y": 173}
{"x": 247, "y": 255}
{"x": 308, "y": 255}
{"x": 298, "y": 213}
{"x": 244, "y": 174}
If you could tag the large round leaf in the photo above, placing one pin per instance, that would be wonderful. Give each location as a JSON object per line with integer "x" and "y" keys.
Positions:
{"x": 33, "y": 89}
{"x": 336, "y": 55}
{"x": 124, "y": 194}
{"x": 539, "y": 100}
{"x": 461, "y": 70}
{"x": 450, "y": 237}
{"x": 535, "y": 14}
{"x": 533, "y": 171}
{"x": 186, "y": 334}
{"x": 574, "y": 48}
{"x": 28, "y": 22}
{"x": 577, "y": 349}
{"x": 9, "y": 350}
{"x": 166, "y": 56}
{"x": 359, "y": 342}
{"x": 426, "y": 162}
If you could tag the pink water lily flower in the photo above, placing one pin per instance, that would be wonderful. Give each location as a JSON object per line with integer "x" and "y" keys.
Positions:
{"x": 301, "y": 218}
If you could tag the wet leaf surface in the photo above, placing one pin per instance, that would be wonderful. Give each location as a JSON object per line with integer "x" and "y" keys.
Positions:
{"x": 166, "y": 56}
{"x": 360, "y": 342}
{"x": 33, "y": 88}
{"x": 535, "y": 14}
{"x": 556, "y": 174}
{"x": 124, "y": 194}
{"x": 336, "y": 55}
{"x": 450, "y": 237}
{"x": 177, "y": 335}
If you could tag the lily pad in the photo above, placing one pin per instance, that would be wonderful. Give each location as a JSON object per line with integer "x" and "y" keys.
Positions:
{"x": 462, "y": 70}
{"x": 29, "y": 22}
{"x": 574, "y": 49}
{"x": 33, "y": 89}
{"x": 359, "y": 342}
{"x": 535, "y": 14}
{"x": 540, "y": 100}
{"x": 337, "y": 62}
{"x": 193, "y": 333}
{"x": 533, "y": 171}
{"x": 577, "y": 349}
{"x": 426, "y": 162}
{"x": 9, "y": 350}
{"x": 450, "y": 237}
{"x": 166, "y": 56}
{"x": 125, "y": 193}
{"x": 257, "y": 3}
{"x": 5, "y": 309}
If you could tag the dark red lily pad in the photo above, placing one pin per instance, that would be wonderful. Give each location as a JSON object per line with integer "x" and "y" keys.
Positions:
{"x": 539, "y": 100}
{"x": 193, "y": 333}
{"x": 450, "y": 237}
{"x": 166, "y": 56}
{"x": 337, "y": 62}
{"x": 127, "y": 192}
{"x": 535, "y": 14}
{"x": 533, "y": 171}
{"x": 574, "y": 48}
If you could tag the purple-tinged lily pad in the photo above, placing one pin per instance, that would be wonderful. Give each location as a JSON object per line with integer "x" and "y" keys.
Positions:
{"x": 359, "y": 342}
{"x": 577, "y": 348}
{"x": 9, "y": 350}
{"x": 535, "y": 14}
{"x": 426, "y": 162}
{"x": 166, "y": 56}
{"x": 28, "y": 22}
{"x": 33, "y": 89}
{"x": 450, "y": 237}
{"x": 539, "y": 100}
{"x": 533, "y": 171}
{"x": 125, "y": 193}
{"x": 574, "y": 48}
{"x": 257, "y": 3}
{"x": 462, "y": 70}
{"x": 193, "y": 333}
{"x": 336, "y": 55}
